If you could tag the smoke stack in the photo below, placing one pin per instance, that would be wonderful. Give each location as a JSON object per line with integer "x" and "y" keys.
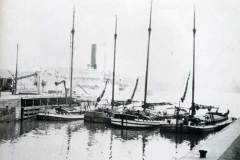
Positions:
{"x": 93, "y": 56}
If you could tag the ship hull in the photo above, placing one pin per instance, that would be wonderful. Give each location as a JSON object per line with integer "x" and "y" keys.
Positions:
{"x": 59, "y": 117}
{"x": 96, "y": 117}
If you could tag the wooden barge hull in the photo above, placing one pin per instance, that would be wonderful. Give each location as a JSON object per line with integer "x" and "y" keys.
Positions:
{"x": 97, "y": 117}
{"x": 125, "y": 123}
{"x": 195, "y": 129}
{"x": 207, "y": 128}
{"x": 59, "y": 117}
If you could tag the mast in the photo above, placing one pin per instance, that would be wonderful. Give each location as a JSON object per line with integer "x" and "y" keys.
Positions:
{"x": 148, "y": 48}
{"x": 72, "y": 47}
{"x": 193, "y": 79}
{"x": 16, "y": 73}
{"x": 114, "y": 60}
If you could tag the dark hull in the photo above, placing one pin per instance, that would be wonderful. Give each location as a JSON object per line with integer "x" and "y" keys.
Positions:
{"x": 197, "y": 129}
{"x": 97, "y": 117}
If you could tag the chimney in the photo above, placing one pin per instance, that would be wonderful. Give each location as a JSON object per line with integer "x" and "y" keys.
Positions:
{"x": 93, "y": 56}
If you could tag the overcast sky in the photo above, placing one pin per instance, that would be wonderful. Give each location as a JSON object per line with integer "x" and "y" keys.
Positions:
{"x": 42, "y": 29}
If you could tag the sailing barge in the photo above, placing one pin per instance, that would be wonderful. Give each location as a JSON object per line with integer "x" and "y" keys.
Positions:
{"x": 64, "y": 113}
{"x": 213, "y": 121}
{"x": 125, "y": 120}
{"x": 183, "y": 123}
{"x": 102, "y": 115}
{"x": 210, "y": 122}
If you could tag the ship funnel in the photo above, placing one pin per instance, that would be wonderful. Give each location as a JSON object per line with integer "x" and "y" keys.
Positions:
{"x": 93, "y": 56}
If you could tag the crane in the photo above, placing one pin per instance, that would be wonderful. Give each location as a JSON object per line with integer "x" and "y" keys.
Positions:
{"x": 36, "y": 74}
{"x": 64, "y": 84}
{"x": 27, "y": 76}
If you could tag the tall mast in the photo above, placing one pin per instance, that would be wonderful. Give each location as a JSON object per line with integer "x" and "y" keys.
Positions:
{"x": 193, "y": 79}
{"x": 114, "y": 60}
{"x": 72, "y": 45}
{"x": 16, "y": 73}
{"x": 148, "y": 48}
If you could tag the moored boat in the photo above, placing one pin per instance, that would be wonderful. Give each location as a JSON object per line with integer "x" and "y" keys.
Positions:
{"x": 212, "y": 121}
{"x": 103, "y": 114}
{"x": 130, "y": 118}
{"x": 209, "y": 122}
{"x": 61, "y": 112}
{"x": 99, "y": 115}
{"x": 195, "y": 125}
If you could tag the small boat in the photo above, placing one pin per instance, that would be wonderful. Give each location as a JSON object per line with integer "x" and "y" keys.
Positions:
{"x": 61, "y": 113}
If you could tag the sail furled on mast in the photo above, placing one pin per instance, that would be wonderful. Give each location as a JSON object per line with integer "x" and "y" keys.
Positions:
{"x": 135, "y": 88}
{"x": 133, "y": 94}
{"x": 102, "y": 94}
{"x": 185, "y": 91}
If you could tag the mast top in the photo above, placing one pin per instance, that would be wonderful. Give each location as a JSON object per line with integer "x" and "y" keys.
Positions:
{"x": 73, "y": 29}
{"x": 115, "y": 34}
{"x": 194, "y": 25}
{"x": 150, "y": 18}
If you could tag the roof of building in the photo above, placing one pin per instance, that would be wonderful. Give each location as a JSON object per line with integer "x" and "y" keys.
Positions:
{"x": 5, "y": 74}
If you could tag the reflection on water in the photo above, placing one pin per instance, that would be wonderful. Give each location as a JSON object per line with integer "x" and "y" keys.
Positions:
{"x": 12, "y": 130}
{"x": 39, "y": 140}
{"x": 192, "y": 140}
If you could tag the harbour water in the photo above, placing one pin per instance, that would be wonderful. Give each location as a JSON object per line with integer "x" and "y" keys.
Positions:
{"x": 33, "y": 139}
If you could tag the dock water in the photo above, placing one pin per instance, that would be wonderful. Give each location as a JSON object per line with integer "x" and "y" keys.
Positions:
{"x": 219, "y": 146}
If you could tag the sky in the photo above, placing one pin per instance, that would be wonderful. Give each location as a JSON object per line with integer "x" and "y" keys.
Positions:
{"x": 42, "y": 29}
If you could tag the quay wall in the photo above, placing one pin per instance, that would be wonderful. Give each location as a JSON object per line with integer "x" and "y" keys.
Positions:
{"x": 217, "y": 144}
{"x": 23, "y": 107}
{"x": 10, "y": 109}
